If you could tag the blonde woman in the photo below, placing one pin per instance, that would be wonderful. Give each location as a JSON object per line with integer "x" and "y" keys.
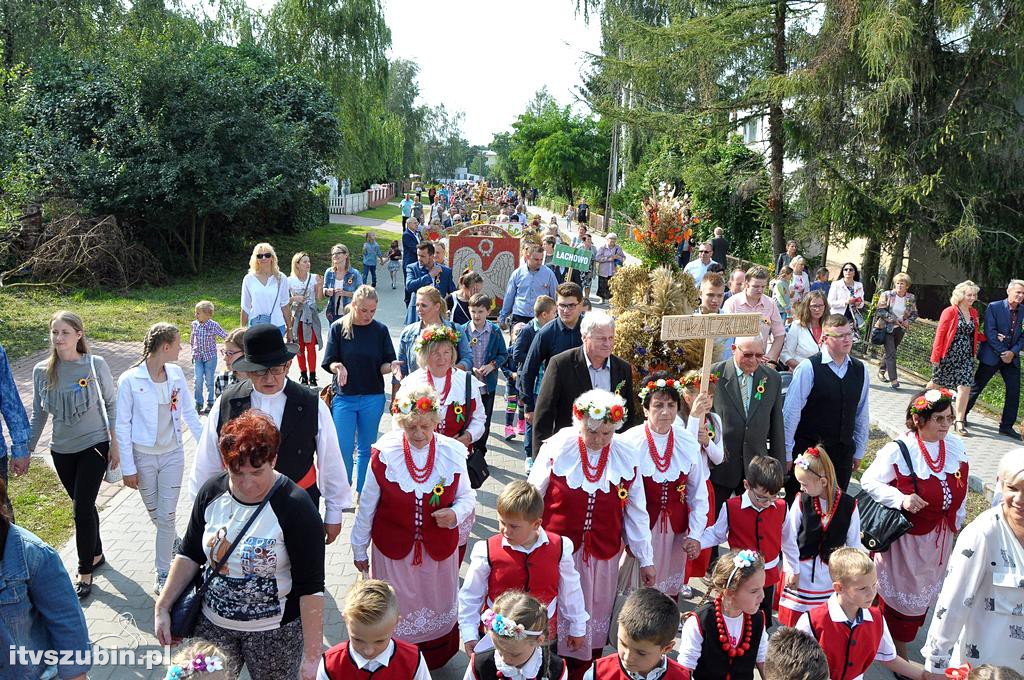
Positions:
{"x": 305, "y": 292}
{"x": 340, "y": 281}
{"x": 76, "y": 388}
{"x": 897, "y": 309}
{"x": 954, "y": 348}
{"x": 265, "y": 292}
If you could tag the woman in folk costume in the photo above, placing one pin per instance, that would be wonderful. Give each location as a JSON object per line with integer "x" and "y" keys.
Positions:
{"x": 824, "y": 518}
{"x": 592, "y": 495}
{"x": 462, "y": 415}
{"x": 412, "y": 504}
{"x": 674, "y": 479}
{"x": 695, "y": 412}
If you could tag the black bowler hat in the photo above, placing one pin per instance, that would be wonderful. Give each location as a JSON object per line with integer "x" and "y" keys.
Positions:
{"x": 264, "y": 348}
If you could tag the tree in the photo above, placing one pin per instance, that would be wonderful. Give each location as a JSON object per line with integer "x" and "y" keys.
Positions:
{"x": 443, "y": 146}
{"x": 402, "y": 92}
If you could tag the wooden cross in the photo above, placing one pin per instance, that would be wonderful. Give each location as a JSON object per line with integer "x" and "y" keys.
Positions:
{"x": 708, "y": 327}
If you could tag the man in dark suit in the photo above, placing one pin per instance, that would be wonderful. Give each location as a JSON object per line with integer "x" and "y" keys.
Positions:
{"x": 425, "y": 272}
{"x": 575, "y": 371}
{"x": 748, "y": 399}
{"x": 410, "y": 239}
{"x": 1000, "y": 353}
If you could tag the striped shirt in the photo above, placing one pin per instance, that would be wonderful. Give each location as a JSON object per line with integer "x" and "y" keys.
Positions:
{"x": 204, "y": 340}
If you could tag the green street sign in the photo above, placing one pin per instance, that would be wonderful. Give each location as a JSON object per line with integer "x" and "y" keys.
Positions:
{"x": 577, "y": 258}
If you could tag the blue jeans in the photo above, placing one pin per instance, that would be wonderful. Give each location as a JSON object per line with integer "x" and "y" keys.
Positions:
{"x": 359, "y": 417}
{"x": 206, "y": 372}
{"x": 368, "y": 271}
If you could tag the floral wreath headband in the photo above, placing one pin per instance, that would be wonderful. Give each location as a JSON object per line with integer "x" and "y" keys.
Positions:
{"x": 200, "y": 664}
{"x": 803, "y": 461}
{"x": 929, "y": 399}
{"x": 613, "y": 410}
{"x": 694, "y": 380}
{"x": 436, "y": 334}
{"x": 744, "y": 559}
{"x": 661, "y": 384}
{"x": 502, "y": 626}
{"x": 424, "y": 405}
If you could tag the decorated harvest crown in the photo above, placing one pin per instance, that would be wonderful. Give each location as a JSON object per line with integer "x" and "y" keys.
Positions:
{"x": 603, "y": 406}
{"x": 439, "y": 333}
{"x": 661, "y": 384}
{"x": 423, "y": 405}
{"x": 505, "y": 627}
{"x": 200, "y": 664}
{"x": 928, "y": 400}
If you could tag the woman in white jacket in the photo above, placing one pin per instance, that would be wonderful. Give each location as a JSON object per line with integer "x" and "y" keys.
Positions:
{"x": 152, "y": 398}
{"x": 846, "y": 294}
{"x": 803, "y": 338}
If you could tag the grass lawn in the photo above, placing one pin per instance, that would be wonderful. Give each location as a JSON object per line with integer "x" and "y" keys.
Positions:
{"x": 25, "y": 312}
{"x": 42, "y": 506}
{"x": 386, "y": 212}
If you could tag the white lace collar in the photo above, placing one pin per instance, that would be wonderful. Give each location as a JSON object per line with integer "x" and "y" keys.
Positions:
{"x": 529, "y": 671}
{"x": 456, "y": 395}
{"x": 685, "y": 452}
{"x": 563, "y": 448}
{"x": 955, "y": 455}
{"x": 449, "y": 460}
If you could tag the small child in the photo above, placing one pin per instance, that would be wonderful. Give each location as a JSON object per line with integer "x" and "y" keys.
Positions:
{"x": 821, "y": 281}
{"x": 987, "y": 672}
{"x": 522, "y": 556}
{"x": 371, "y": 258}
{"x": 517, "y": 626}
{"x": 726, "y": 639}
{"x": 233, "y": 348}
{"x": 781, "y": 293}
{"x": 544, "y": 310}
{"x": 487, "y": 345}
{"x": 394, "y": 261}
{"x": 794, "y": 655}
{"x": 205, "y": 332}
{"x": 647, "y": 627}
{"x": 852, "y": 632}
{"x": 757, "y": 520}
{"x": 824, "y": 519}
{"x": 200, "y": 660}
{"x": 371, "y": 616}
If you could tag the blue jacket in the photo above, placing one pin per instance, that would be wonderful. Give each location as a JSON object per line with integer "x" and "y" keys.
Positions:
{"x": 521, "y": 345}
{"x": 553, "y": 339}
{"x": 13, "y": 412}
{"x": 410, "y": 239}
{"x": 407, "y": 340}
{"x": 997, "y": 322}
{"x": 39, "y": 610}
{"x": 497, "y": 351}
{"x": 417, "y": 276}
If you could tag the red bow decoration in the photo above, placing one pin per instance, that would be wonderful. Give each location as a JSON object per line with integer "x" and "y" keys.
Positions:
{"x": 959, "y": 673}
{"x": 813, "y": 451}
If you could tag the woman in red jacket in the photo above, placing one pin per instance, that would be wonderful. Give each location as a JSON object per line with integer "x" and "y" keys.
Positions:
{"x": 955, "y": 345}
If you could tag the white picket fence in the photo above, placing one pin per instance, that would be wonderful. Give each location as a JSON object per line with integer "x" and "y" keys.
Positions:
{"x": 358, "y": 202}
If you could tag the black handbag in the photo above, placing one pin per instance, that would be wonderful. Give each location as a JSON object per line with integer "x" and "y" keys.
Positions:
{"x": 476, "y": 464}
{"x": 880, "y": 525}
{"x": 186, "y": 609}
{"x": 878, "y": 335}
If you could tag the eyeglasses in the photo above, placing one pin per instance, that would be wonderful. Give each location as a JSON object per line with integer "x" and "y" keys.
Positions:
{"x": 704, "y": 252}
{"x": 839, "y": 336}
{"x": 264, "y": 256}
{"x": 225, "y": 353}
{"x": 568, "y": 306}
{"x": 752, "y": 355}
{"x": 943, "y": 420}
{"x": 276, "y": 370}
{"x": 817, "y": 306}
{"x": 759, "y": 498}
{"x": 339, "y": 253}
{"x": 849, "y": 269}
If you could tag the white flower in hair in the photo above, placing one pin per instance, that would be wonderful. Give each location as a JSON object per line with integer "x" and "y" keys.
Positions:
{"x": 596, "y": 412}
{"x": 932, "y": 396}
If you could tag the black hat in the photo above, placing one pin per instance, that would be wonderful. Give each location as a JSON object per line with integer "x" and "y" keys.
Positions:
{"x": 264, "y": 348}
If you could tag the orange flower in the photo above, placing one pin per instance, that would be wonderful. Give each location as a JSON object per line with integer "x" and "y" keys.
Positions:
{"x": 424, "y": 404}
{"x": 617, "y": 413}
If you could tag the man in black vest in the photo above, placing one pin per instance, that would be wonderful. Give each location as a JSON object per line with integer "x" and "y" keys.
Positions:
{"x": 827, "y": 403}
{"x": 309, "y": 453}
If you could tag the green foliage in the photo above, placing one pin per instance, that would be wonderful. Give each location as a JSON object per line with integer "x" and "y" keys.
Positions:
{"x": 443, "y": 146}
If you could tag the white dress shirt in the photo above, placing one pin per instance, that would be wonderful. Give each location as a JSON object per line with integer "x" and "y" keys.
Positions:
{"x": 331, "y": 477}
{"x": 376, "y": 663}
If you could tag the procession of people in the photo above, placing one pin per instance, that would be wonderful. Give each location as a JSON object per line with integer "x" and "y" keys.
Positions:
{"x": 639, "y": 488}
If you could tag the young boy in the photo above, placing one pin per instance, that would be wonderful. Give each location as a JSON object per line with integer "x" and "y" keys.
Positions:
{"x": 544, "y": 310}
{"x": 371, "y": 615}
{"x": 820, "y": 282}
{"x": 850, "y": 630}
{"x": 233, "y": 348}
{"x": 757, "y": 521}
{"x": 522, "y": 556}
{"x": 794, "y": 655}
{"x": 648, "y": 624}
{"x": 487, "y": 345}
{"x": 205, "y": 332}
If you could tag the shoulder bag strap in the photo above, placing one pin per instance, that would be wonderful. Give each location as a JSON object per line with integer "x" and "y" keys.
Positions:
{"x": 468, "y": 403}
{"x": 234, "y": 544}
{"x": 99, "y": 392}
{"x": 905, "y": 452}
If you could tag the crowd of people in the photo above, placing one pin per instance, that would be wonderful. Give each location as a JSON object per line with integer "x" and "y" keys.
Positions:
{"x": 634, "y": 485}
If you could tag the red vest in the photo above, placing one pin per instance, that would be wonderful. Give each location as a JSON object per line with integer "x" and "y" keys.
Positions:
{"x": 401, "y": 524}
{"x": 535, "y": 573}
{"x": 574, "y": 513}
{"x": 666, "y": 501}
{"x": 609, "y": 668}
{"x": 850, "y": 651}
{"x": 930, "y": 490}
{"x": 760, "y": 531}
{"x": 340, "y": 665}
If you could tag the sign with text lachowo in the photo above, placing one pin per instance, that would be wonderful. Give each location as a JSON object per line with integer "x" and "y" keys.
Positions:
{"x": 577, "y": 258}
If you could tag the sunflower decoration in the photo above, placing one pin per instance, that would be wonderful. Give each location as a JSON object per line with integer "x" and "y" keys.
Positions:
{"x": 760, "y": 390}
{"x": 438, "y": 491}
{"x": 82, "y": 384}
{"x": 681, "y": 490}
{"x": 460, "y": 413}
{"x": 623, "y": 493}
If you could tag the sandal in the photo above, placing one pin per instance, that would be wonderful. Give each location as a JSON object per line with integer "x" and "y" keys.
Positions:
{"x": 960, "y": 427}
{"x": 883, "y": 375}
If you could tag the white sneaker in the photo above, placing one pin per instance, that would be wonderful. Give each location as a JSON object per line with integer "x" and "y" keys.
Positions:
{"x": 161, "y": 580}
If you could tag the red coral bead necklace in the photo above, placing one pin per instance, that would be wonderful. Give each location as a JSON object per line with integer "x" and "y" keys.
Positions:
{"x": 938, "y": 465}
{"x": 593, "y": 472}
{"x": 419, "y": 474}
{"x": 447, "y": 384}
{"x": 661, "y": 462}
{"x": 733, "y": 650}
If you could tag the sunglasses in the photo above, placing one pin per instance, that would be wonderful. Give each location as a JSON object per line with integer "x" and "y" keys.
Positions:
{"x": 264, "y": 256}
{"x": 752, "y": 355}
{"x": 849, "y": 269}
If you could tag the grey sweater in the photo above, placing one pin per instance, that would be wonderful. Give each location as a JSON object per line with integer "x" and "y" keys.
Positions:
{"x": 75, "y": 405}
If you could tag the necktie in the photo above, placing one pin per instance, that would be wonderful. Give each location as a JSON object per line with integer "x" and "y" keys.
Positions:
{"x": 745, "y": 392}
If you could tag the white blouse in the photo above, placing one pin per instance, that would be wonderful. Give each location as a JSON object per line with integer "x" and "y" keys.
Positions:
{"x": 713, "y": 453}
{"x": 560, "y": 454}
{"x": 299, "y": 287}
{"x": 449, "y": 460}
{"x": 269, "y": 298}
{"x": 456, "y": 395}
{"x": 691, "y": 640}
{"x": 979, "y": 616}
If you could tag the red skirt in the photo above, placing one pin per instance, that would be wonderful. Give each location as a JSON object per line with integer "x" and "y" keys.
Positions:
{"x": 439, "y": 651}
{"x": 698, "y": 568}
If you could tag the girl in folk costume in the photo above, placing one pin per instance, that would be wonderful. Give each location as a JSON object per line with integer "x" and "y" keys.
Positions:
{"x": 412, "y": 503}
{"x": 924, "y": 473}
{"x": 592, "y": 496}
{"x": 726, "y": 639}
{"x": 695, "y": 411}
{"x": 824, "y": 519}
{"x": 462, "y": 415}
{"x": 517, "y": 626}
{"x": 675, "y": 483}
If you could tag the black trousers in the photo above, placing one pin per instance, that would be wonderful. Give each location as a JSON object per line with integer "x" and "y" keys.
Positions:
{"x": 3, "y": 476}
{"x": 81, "y": 474}
{"x": 1011, "y": 378}
{"x": 480, "y": 445}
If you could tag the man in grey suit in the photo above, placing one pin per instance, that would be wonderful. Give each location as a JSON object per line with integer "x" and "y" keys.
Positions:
{"x": 748, "y": 399}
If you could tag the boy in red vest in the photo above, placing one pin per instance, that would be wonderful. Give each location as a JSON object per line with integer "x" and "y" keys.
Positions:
{"x": 371, "y": 615}
{"x": 757, "y": 521}
{"x": 522, "y": 556}
{"x": 648, "y": 623}
{"x": 853, "y": 633}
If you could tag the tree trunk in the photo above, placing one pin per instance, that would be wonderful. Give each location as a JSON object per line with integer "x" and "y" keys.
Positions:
{"x": 896, "y": 261}
{"x": 869, "y": 266}
{"x": 202, "y": 240}
{"x": 776, "y": 200}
